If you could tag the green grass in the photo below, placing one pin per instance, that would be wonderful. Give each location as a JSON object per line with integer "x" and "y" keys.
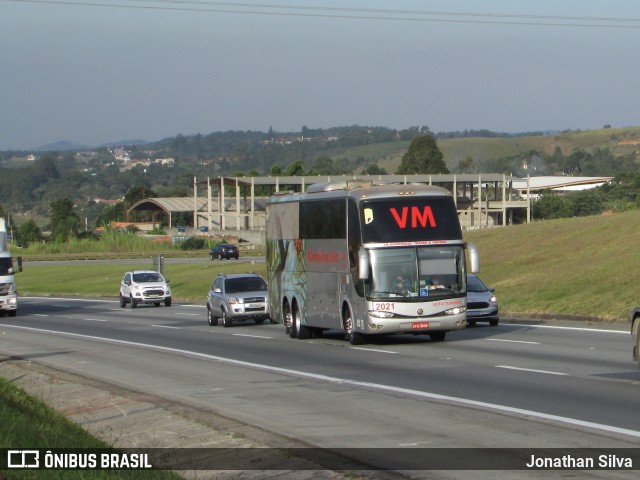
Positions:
{"x": 28, "y": 423}
{"x": 586, "y": 266}
{"x": 188, "y": 281}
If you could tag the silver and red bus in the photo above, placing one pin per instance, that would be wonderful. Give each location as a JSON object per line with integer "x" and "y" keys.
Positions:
{"x": 367, "y": 260}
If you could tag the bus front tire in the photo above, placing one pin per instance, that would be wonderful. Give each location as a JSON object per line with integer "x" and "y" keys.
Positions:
{"x": 354, "y": 337}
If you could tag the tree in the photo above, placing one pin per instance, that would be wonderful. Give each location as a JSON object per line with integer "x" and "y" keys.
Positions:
{"x": 276, "y": 170}
{"x": 550, "y": 206}
{"x": 587, "y": 202}
{"x": 466, "y": 165}
{"x": 374, "y": 169}
{"x": 65, "y": 222}
{"x": 27, "y": 233}
{"x": 323, "y": 165}
{"x": 295, "y": 168}
{"x": 112, "y": 213}
{"x": 138, "y": 193}
{"x": 423, "y": 156}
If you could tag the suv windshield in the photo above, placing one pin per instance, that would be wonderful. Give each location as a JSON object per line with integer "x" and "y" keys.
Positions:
{"x": 247, "y": 284}
{"x": 147, "y": 277}
{"x": 417, "y": 272}
{"x": 474, "y": 284}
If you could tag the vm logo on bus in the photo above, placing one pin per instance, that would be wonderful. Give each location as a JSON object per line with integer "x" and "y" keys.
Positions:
{"x": 419, "y": 218}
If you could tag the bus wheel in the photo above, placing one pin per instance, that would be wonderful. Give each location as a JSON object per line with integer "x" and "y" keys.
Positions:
{"x": 304, "y": 332}
{"x": 293, "y": 322}
{"x": 354, "y": 337}
{"x": 437, "y": 336}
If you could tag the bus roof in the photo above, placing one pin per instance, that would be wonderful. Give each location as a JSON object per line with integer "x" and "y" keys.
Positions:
{"x": 359, "y": 190}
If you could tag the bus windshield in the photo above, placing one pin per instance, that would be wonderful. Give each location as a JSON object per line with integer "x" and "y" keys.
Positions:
{"x": 410, "y": 220}
{"x": 417, "y": 272}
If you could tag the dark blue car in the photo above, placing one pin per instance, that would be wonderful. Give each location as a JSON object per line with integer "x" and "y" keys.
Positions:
{"x": 224, "y": 250}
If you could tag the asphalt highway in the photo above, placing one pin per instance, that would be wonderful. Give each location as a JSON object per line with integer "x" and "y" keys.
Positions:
{"x": 517, "y": 384}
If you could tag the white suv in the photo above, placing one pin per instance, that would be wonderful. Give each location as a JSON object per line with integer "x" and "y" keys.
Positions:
{"x": 144, "y": 286}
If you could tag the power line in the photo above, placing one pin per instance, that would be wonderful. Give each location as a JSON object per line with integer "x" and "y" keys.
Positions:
{"x": 360, "y": 13}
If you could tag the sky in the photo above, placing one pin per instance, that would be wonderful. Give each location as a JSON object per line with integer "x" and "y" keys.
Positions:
{"x": 96, "y": 72}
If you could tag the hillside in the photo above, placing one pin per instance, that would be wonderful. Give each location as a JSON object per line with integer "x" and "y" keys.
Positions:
{"x": 28, "y": 182}
{"x": 585, "y": 266}
{"x": 619, "y": 141}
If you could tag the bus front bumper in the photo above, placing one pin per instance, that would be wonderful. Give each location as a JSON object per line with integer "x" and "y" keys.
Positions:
{"x": 413, "y": 325}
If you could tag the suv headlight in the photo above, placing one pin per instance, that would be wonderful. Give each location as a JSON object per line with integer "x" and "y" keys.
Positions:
{"x": 233, "y": 300}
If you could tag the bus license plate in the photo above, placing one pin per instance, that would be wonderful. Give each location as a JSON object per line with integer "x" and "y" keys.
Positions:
{"x": 417, "y": 325}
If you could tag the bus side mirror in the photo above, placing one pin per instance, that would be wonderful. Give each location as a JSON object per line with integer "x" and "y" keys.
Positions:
{"x": 474, "y": 257}
{"x": 363, "y": 264}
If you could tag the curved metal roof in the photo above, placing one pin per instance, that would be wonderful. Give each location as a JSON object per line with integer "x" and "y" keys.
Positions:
{"x": 171, "y": 204}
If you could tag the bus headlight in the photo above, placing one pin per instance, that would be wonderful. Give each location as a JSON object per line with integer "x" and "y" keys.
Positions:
{"x": 380, "y": 314}
{"x": 455, "y": 311}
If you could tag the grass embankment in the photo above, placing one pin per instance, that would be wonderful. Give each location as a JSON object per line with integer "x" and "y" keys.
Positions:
{"x": 26, "y": 422}
{"x": 188, "y": 281}
{"x": 586, "y": 266}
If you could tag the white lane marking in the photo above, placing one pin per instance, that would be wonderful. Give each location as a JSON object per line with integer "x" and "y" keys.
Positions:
{"x": 190, "y": 314}
{"x": 375, "y": 350}
{"x": 510, "y": 341}
{"x": 247, "y": 335}
{"x": 530, "y": 370}
{"x": 71, "y": 299}
{"x": 165, "y": 326}
{"x": 582, "y": 329}
{"x": 40, "y": 315}
{"x": 372, "y": 386}
{"x": 95, "y": 320}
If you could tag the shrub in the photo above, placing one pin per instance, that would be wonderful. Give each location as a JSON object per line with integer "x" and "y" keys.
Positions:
{"x": 192, "y": 243}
